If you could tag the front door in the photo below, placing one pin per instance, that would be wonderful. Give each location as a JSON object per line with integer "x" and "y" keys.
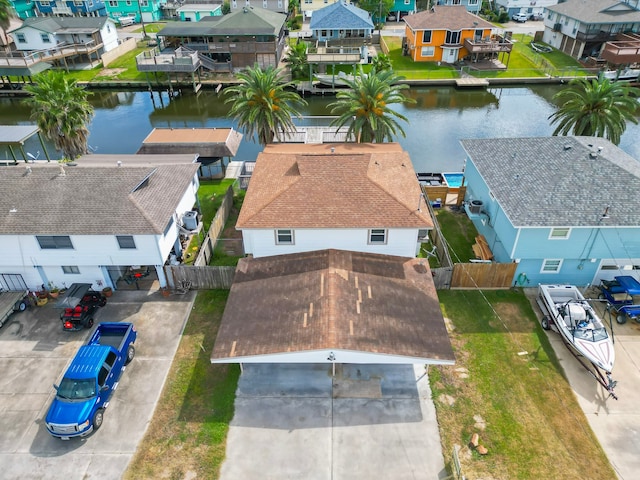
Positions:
{"x": 449, "y": 55}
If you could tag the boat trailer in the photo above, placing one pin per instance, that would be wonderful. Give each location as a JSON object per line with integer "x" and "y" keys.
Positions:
{"x": 604, "y": 379}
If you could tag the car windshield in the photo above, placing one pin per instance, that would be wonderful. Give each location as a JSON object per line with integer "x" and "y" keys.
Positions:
{"x": 74, "y": 389}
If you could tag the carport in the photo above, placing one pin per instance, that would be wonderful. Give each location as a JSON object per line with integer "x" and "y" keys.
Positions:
{"x": 333, "y": 306}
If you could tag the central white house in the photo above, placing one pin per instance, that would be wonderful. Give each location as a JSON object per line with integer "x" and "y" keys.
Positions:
{"x": 355, "y": 197}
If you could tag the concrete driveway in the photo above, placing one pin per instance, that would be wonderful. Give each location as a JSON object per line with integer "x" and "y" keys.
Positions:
{"x": 370, "y": 421}
{"x": 34, "y": 351}
{"x": 616, "y": 423}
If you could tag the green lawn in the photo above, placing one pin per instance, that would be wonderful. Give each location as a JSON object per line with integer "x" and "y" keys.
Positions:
{"x": 122, "y": 69}
{"x": 512, "y": 394}
{"x": 459, "y": 232}
{"x": 187, "y": 435}
{"x": 411, "y": 70}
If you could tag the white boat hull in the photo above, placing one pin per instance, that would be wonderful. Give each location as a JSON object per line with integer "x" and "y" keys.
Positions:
{"x": 578, "y": 323}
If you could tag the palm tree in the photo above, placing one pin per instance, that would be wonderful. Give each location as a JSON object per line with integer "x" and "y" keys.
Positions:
{"x": 62, "y": 112}
{"x": 598, "y": 108}
{"x": 365, "y": 106}
{"x": 6, "y": 13}
{"x": 381, "y": 62}
{"x": 297, "y": 60}
{"x": 263, "y": 103}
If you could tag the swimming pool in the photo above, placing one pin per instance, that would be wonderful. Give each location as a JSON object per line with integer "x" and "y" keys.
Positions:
{"x": 453, "y": 180}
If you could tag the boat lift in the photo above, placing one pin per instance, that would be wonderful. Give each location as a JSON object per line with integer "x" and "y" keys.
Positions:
{"x": 604, "y": 379}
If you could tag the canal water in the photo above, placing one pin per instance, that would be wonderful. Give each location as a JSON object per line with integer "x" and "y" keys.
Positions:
{"x": 439, "y": 119}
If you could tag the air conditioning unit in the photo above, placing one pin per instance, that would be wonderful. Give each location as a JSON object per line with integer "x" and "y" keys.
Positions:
{"x": 190, "y": 220}
{"x": 475, "y": 206}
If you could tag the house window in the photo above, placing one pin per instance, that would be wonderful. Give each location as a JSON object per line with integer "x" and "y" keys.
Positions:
{"x": 323, "y": 33}
{"x": 21, "y": 38}
{"x": 128, "y": 3}
{"x": 472, "y": 2}
{"x": 551, "y": 265}
{"x": 144, "y": 3}
{"x": 126, "y": 241}
{"x": 279, "y": 3}
{"x": 377, "y": 236}
{"x": 284, "y": 237}
{"x": 452, "y": 38}
{"x": 308, "y": 1}
{"x": 426, "y": 36}
{"x": 559, "y": 233}
{"x": 70, "y": 269}
{"x": 427, "y": 51}
{"x": 113, "y": 3}
{"x": 407, "y": 2}
{"x": 45, "y": 38}
{"x": 45, "y": 3}
{"x": 53, "y": 242}
{"x": 423, "y": 235}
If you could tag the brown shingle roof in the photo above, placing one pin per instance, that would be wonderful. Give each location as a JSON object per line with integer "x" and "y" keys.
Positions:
{"x": 90, "y": 200}
{"x": 452, "y": 17}
{"x": 309, "y": 301}
{"x": 355, "y": 186}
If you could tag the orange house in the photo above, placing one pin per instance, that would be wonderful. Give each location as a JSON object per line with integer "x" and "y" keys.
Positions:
{"x": 446, "y": 34}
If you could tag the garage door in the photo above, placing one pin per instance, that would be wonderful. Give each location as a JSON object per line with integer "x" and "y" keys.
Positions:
{"x": 611, "y": 268}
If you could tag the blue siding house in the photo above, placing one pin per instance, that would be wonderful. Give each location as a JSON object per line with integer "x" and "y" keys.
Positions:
{"x": 340, "y": 20}
{"x": 71, "y": 7}
{"x": 472, "y": 6}
{"x": 400, "y": 9}
{"x": 565, "y": 209}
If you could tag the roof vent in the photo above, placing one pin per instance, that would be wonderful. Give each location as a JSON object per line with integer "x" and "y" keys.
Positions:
{"x": 567, "y": 147}
{"x": 593, "y": 154}
{"x": 119, "y": 163}
{"x": 28, "y": 169}
{"x": 62, "y": 172}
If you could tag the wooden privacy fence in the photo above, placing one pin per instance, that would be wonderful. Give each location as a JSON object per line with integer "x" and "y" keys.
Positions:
{"x": 216, "y": 228}
{"x": 200, "y": 278}
{"x": 483, "y": 275}
{"x": 200, "y": 275}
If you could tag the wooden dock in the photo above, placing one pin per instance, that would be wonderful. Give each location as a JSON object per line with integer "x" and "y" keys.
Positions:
{"x": 472, "y": 82}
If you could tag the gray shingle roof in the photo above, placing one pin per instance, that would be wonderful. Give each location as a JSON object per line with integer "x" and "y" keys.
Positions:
{"x": 248, "y": 21}
{"x": 597, "y": 11}
{"x": 90, "y": 200}
{"x": 559, "y": 181}
{"x": 60, "y": 24}
{"x": 339, "y": 15}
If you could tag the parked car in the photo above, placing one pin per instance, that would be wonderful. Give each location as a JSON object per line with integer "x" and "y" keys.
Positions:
{"x": 86, "y": 387}
{"x": 520, "y": 17}
{"x": 79, "y": 303}
{"x": 536, "y": 16}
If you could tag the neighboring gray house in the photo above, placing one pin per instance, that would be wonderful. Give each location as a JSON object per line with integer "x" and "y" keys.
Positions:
{"x": 565, "y": 209}
{"x": 340, "y": 21}
{"x": 581, "y": 28}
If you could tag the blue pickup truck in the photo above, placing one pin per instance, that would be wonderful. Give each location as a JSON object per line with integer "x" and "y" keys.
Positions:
{"x": 87, "y": 385}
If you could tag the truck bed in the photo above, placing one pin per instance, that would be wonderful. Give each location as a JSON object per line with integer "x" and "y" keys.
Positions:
{"x": 110, "y": 333}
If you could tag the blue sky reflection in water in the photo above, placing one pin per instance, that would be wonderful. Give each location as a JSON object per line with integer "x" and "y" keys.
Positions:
{"x": 439, "y": 119}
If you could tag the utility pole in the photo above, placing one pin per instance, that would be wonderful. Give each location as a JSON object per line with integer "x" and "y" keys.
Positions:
{"x": 144, "y": 32}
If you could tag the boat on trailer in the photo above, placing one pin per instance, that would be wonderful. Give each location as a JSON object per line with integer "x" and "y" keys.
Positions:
{"x": 582, "y": 331}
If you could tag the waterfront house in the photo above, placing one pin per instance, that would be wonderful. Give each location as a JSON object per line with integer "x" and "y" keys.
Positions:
{"x": 145, "y": 10}
{"x": 94, "y": 8}
{"x": 449, "y": 34}
{"x": 565, "y": 209}
{"x": 239, "y": 40}
{"x": 96, "y": 221}
{"x": 349, "y": 196}
{"x": 340, "y": 21}
{"x": 66, "y": 40}
{"x": 582, "y": 28}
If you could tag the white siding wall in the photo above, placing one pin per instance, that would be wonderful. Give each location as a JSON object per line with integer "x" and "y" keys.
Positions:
{"x": 23, "y": 253}
{"x": 33, "y": 40}
{"x": 109, "y": 36}
{"x": 262, "y": 243}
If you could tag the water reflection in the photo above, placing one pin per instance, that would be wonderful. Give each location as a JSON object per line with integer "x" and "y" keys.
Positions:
{"x": 439, "y": 119}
